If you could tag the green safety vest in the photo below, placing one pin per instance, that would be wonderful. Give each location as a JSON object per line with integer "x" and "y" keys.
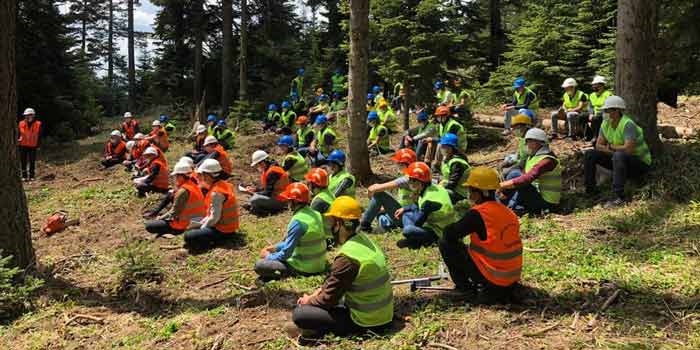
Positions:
{"x": 370, "y": 298}
{"x": 302, "y": 134}
{"x": 309, "y": 254}
{"x": 405, "y": 197}
{"x": 572, "y": 102}
{"x": 617, "y": 137}
{"x": 383, "y": 142}
{"x": 549, "y": 183}
{"x": 321, "y": 137}
{"x": 533, "y": 106}
{"x": 461, "y": 133}
{"x": 300, "y": 167}
{"x": 597, "y": 101}
{"x": 338, "y": 105}
{"x": 298, "y": 86}
{"x": 445, "y": 96}
{"x": 273, "y": 117}
{"x": 378, "y": 99}
{"x": 437, "y": 221}
{"x": 225, "y": 136}
{"x": 388, "y": 119}
{"x": 210, "y": 130}
{"x": 169, "y": 126}
{"x": 288, "y": 118}
{"x": 337, "y": 178}
{"x": 522, "y": 149}
{"x": 325, "y": 195}
{"x": 338, "y": 83}
{"x": 445, "y": 169}
{"x": 467, "y": 96}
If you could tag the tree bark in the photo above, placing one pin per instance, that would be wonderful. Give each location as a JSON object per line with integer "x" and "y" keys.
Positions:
{"x": 635, "y": 70}
{"x": 130, "y": 45}
{"x": 243, "y": 59}
{"x": 359, "y": 58}
{"x": 497, "y": 36}
{"x": 198, "y": 39}
{"x": 227, "y": 58}
{"x": 15, "y": 235}
{"x": 110, "y": 59}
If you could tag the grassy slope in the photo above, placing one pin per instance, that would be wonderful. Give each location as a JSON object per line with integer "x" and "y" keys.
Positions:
{"x": 573, "y": 264}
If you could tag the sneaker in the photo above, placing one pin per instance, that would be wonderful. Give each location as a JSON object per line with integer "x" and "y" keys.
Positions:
{"x": 614, "y": 203}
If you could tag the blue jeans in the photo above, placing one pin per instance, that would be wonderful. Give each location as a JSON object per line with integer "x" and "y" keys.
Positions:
{"x": 512, "y": 174}
{"x": 386, "y": 220}
{"x": 413, "y": 232}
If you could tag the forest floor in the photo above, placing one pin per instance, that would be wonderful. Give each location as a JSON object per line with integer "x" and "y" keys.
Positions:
{"x": 627, "y": 278}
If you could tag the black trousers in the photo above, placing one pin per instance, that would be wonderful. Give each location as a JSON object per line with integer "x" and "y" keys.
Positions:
{"x": 335, "y": 320}
{"x": 143, "y": 189}
{"x": 27, "y": 156}
{"x": 161, "y": 227}
{"x": 623, "y": 166}
{"x": 108, "y": 163}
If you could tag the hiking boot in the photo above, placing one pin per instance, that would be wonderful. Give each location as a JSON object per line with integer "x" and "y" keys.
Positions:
{"x": 614, "y": 203}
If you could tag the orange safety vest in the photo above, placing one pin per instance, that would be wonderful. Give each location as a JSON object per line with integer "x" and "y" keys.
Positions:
{"x": 226, "y": 165}
{"x": 138, "y": 149}
{"x": 281, "y": 183}
{"x": 161, "y": 180}
{"x": 228, "y": 223}
{"x": 500, "y": 256}
{"x": 115, "y": 151}
{"x": 161, "y": 139}
{"x": 29, "y": 134}
{"x": 195, "y": 206}
{"x": 129, "y": 128}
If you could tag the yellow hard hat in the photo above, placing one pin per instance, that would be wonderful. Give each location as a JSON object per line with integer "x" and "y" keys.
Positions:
{"x": 483, "y": 178}
{"x": 382, "y": 103}
{"x": 521, "y": 119}
{"x": 346, "y": 208}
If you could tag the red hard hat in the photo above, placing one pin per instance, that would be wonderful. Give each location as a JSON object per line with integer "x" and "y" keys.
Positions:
{"x": 302, "y": 120}
{"x": 317, "y": 176}
{"x": 404, "y": 156}
{"x": 419, "y": 171}
{"x": 297, "y": 192}
{"x": 442, "y": 111}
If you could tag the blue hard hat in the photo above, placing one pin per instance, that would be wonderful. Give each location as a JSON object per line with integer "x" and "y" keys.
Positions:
{"x": 286, "y": 104}
{"x": 337, "y": 157}
{"x": 323, "y": 97}
{"x": 321, "y": 119}
{"x": 300, "y": 71}
{"x": 286, "y": 140}
{"x": 272, "y": 107}
{"x": 449, "y": 139}
{"x": 527, "y": 112}
{"x": 211, "y": 118}
{"x": 376, "y": 89}
{"x": 163, "y": 118}
{"x": 372, "y": 116}
{"x": 438, "y": 85}
{"x": 422, "y": 116}
{"x": 221, "y": 123}
{"x": 518, "y": 83}
{"x": 370, "y": 96}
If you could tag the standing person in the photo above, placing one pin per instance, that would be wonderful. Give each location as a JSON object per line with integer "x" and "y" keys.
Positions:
{"x": 523, "y": 97}
{"x": 115, "y": 150}
{"x": 596, "y": 100}
{"x": 572, "y": 109}
{"x": 297, "y": 85}
{"x": 272, "y": 119}
{"x": 130, "y": 126}
{"x": 287, "y": 118}
{"x": 324, "y": 140}
{"x": 224, "y": 135}
{"x": 29, "y": 140}
{"x": 158, "y": 136}
{"x": 621, "y": 148}
{"x": 267, "y": 199}
{"x": 303, "y": 250}
{"x": 317, "y": 180}
{"x": 359, "y": 278}
{"x": 454, "y": 168}
{"x": 293, "y": 163}
{"x": 378, "y": 138}
{"x": 222, "y": 216}
{"x": 341, "y": 182}
{"x": 156, "y": 179}
{"x": 305, "y": 135}
{"x": 214, "y": 150}
{"x": 167, "y": 124}
{"x": 494, "y": 259}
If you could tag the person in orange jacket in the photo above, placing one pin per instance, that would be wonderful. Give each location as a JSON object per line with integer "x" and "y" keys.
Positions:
{"x": 156, "y": 179}
{"x": 158, "y": 136}
{"x": 30, "y": 131}
{"x": 115, "y": 150}
{"x": 130, "y": 126}
{"x": 266, "y": 199}
{"x": 214, "y": 150}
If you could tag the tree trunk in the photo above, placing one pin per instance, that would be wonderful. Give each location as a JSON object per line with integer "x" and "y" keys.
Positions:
{"x": 198, "y": 38}
{"x": 359, "y": 58}
{"x": 132, "y": 64}
{"x": 243, "y": 59}
{"x": 635, "y": 71}
{"x": 15, "y": 236}
{"x": 497, "y": 36}
{"x": 110, "y": 59}
{"x": 227, "y": 58}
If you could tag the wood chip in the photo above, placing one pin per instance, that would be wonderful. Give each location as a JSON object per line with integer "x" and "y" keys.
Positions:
{"x": 443, "y": 346}
{"x": 219, "y": 281}
{"x": 84, "y": 317}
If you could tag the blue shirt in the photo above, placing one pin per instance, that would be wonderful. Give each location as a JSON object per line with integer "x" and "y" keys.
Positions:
{"x": 285, "y": 248}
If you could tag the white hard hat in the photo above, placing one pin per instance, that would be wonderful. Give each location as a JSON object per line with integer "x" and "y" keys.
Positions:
{"x": 182, "y": 168}
{"x": 209, "y": 140}
{"x": 598, "y": 79}
{"x": 536, "y": 134}
{"x": 150, "y": 151}
{"x": 139, "y": 136}
{"x": 201, "y": 128}
{"x": 186, "y": 160}
{"x": 115, "y": 133}
{"x": 127, "y": 115}
{"x": 209, "y": 166}
{"x": 569, "y": 82}
{"x": 155, "y": 123}
{"x": 130, "y": 145}
{"x": 258, "y": 156}
{"x": 614, "y": 102}
{"x": 29, "y": 111}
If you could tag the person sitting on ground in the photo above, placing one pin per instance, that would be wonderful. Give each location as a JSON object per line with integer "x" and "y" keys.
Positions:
{"x": 317, "y": 180}
{"x": 454, "y": 169}
{"x": 214, "y": 150}
{"x": 287, "y": 118}
{"x": 267, "y": 199}
{"x": 272, "y": 119}
{"x": 130, "y": 126}
{"x": 620, "y": 147}
{"x": 338, "y": 103}
{"x": 572, "y": 109}
{"x": 321, "y": 108}
{"x": 340, "y": 182}
{"x": 156, "y": 179}
{"x": 523, "y": 97}
{"x": 370, "y": 106}
{"x": 188, "y": 203}
{"x": 443, "y": 95}
{"x": 293, "y": 163}
{"x": 512, "y": 163}
{"x": 424, "y": 221}
{"x": 462, "y": 106}
{"x": 539, "y": 189}
{"x": 378, "y": 139}
{"x": 167, "y": 124}
{"x": 408, "y": 139}
{"x": 298, "y": 105}
{"x": 425, "y": 136}
{"x": 493, "y": 261}
{"x": 378, "y": 93}
{"x": 135, "y": 149}
{"x": 596, "y": 100}
{"x": 198, "y": 153}
{"x": 115, "y": 150}
{"x": 359, "y": 278}
{"x": 224, "y": 135}
{"x": 387, "y": 117}
{"x": 158, "y": 136}
{"x": 382, "y": 204}
{"x": 222, "y": 216}
{"x": 305, "y": 135}
{"x": 324, "y": 140}
{"x": 211, "y": 124}
{"x": 170, "y": 196}
{"x": 447, "y": 125}
{"x": 303, "y": 250}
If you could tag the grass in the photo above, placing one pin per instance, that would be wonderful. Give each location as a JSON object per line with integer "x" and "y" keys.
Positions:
{"x": 648, "y": 250}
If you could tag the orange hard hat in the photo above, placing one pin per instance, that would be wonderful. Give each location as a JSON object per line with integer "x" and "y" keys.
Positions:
{"x": 317, "y": 176}
{"x": 404, "y": 156}
{"x": 442, "y": 111}
{"x": 297, "y": 192}
{"x": 302, "y": 120}
{"x": 419, "y": 171}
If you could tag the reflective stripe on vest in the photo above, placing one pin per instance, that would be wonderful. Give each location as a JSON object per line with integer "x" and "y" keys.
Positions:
{"x": 548, "y": 183}
{"x": 302, "y": 134}
{"x": 597, "y": 101}
{"x": 447, "y": 166}
{"x": 617, "y": 137}
{"x": 300, "y": 167}
{"x": 382, "y": 141}
{"x": 29, "y": 134}
{"x": 273, "y": 117}
{"x": 326, "y": 196}
{"x": 406, "y": 197}
{"x": 228, "y": 222}
{"x": 195, "y": 206}
{"x": 520, "y": 99}
{"x": 570, "y": 102}
{"x": 388, "y": 119}
{"x": 337, "y": 178}
{"x": 161, "y": 180}
{"x": 321, "y": 140}
{"x": 309, "y": 255}
{"x": 281, "y": 183}
{"x": 380, "y": 281}
{"x": 461, "y": 133}
{"x": 288, "y": 118}
{"x": 129, "y": 129}
{"x": 367, "y": 307}
{"x": 437, "y": 220}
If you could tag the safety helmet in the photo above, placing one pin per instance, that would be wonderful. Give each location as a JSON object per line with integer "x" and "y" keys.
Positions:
{"x": 155, "y": 123}
{"x": 297, "y": 192}
{"x": 286, "y": 140}
{"x": 201, "y": 128}
{"x": 221, "y": 123}
{"x": 346, "y": 208}
{"x": 528, "y": 112}
{"x": 211, "y": 118}
{"x": 181, "y": 168}
{"x": 164, "y": 118}
{"x": 438, "y": 85}
{"x": 302, "y": 120}
{"x": 210, "y": 140}
{"x": 569, "y": 82}
{"x": 323, "y": 97}
{"x": 186, "y": 160}
{"x": 139, "y": 136}
{"x": 286, "y": 104}
{"x": 209, "y": 166}
{"x": 150, "y": 151}
{"x": 376, "y": 89}
{"x": 337, "y": 156}
{"x": 449, "y": 139}
{"x": 130, "y": 145}
{"x": 271, "y": 107}
{"x": 321, "y": 119}
{"x": 418, "y": 171}
{"x": 521, "y": 119}
{"x": 317, "y": 176}
{"x": 598, "y": 79}
{"x": 382, "y": 104}
{"x": 536, "y": 134}
{"x": 300, "y": 71}
{"x": 370, "y": 96}
{"x": 404, "y": 156}
{"x": 373, "y": 116}
{"x": 483, "y": 178}
{"x": 614, "y": 102}
{"x": 442, "y": 111}
{"x": 258, "y": 156}
{"x": 518, "y": 83}
{"x": 126, "y": 114}
{"x": 422, "y": 116}
{"x": 115, "y": 133}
